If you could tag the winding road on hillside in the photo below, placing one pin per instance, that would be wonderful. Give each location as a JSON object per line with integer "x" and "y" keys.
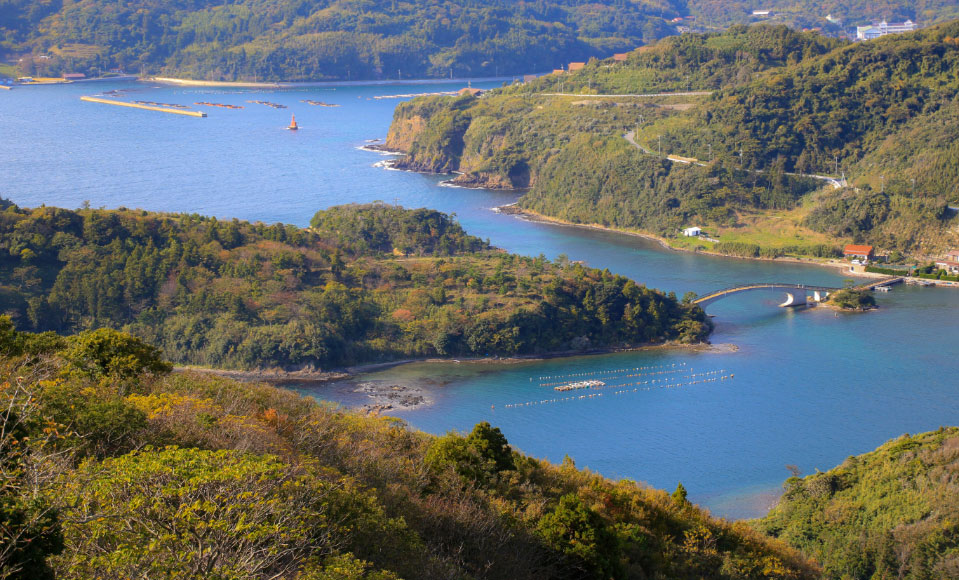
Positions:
{"x": 639, "y": 95}
{"x": 630, "y": 136}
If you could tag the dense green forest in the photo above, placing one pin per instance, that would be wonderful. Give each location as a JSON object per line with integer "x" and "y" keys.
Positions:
{"x": 364, "y": 283}
{"x": 378, "y": 39}
{"x": 113, "y": 467}
{"x": 332, "y": 39}
{"x": 891, "y": 513}
{"x": 772, "y": 105}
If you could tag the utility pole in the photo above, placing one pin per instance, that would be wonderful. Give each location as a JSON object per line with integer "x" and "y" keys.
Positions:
{"x": 913, "y": 185}
{"x": 882, "y": 184}
{"x": 710, "y": 145}
{"x": 837, "y": 165}
{"x": 660, "y": 145}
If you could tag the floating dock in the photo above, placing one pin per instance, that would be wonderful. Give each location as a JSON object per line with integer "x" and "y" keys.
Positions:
{"x": 146, "y": 107}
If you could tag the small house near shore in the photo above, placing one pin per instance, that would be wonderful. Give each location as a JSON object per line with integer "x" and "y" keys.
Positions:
{"x": 950, "y": 266}
{"x": 858, "y": 251}
{"x": 74, "y": 76}
{"x": 950, "y": 263}
{"x": 692, "y": 232}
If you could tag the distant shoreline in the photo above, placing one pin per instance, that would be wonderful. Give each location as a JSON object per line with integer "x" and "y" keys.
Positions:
{"x": 298, "y": 84}
{"x": 530, "y": 215}
{"x": 311, "y": 376}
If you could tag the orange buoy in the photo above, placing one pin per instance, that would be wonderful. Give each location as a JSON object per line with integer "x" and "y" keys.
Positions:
{"x": 293, "y": 126}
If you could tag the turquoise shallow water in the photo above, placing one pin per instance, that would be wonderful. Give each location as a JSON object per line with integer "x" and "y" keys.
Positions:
{"x": 810, "y": 388}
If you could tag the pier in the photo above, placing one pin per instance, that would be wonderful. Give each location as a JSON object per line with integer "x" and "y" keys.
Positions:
{"x": 145, "y": 107}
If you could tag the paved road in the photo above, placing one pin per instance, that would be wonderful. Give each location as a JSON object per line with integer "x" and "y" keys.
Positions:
{"x": 631, "y": 137}
{"x": 685, "y": 94}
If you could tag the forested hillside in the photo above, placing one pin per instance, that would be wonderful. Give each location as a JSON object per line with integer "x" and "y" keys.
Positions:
{"x": 115, "y": 468}
{"x": 331, "y": 39}
{"x": 891, "y": 513}
{"x": 769, "y": 105}
{"x": 364, "y": 283}
{"x": 294, "y": 40}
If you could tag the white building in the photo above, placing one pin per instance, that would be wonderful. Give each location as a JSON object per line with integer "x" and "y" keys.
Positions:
{"x": 883, "y": 28}
{"x": 692, "y": 232}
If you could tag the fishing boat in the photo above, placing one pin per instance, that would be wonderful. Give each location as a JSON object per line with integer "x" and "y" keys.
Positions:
{"x": 293, "y": 126}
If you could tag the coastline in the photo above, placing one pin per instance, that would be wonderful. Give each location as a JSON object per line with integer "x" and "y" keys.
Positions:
{"x": 347, "y": 373}
{"x": 331, "y": 83}
{"x": 530, "y": 215}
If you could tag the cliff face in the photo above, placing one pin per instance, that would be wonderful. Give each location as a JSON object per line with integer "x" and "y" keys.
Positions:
{"x": 442, "y": 135}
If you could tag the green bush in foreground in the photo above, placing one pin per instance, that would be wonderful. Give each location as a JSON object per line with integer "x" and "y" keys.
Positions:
{"x": 891, "y": 513}
{"x": 178, "y": 475}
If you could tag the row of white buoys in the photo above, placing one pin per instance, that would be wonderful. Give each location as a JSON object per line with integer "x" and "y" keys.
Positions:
{"x": 609, "y": 371}
{"x": 662, "y": 380}
{"x": 639, "y": 386}
{"x": 674, "y": 385}
{"x": 629, "y": 376}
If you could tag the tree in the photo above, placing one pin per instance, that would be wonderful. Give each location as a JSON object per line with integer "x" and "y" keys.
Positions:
{"x": 477, "y": 458}
{"x": 679, "y": 496}
{"x": 581, "y": 534}
{"x": 106, "y": 354}
{"x": 29, "y": 525}
{"x": 189, "y": 513}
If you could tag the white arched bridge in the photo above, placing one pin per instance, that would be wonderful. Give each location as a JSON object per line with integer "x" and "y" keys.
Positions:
{"x": 796, "y": 294}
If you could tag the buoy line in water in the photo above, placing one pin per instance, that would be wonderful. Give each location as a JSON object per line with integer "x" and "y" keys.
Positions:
{"x": 627, "y": 376}
{"x": 704, "y": 374}
{"x": 637, "y": 387}
{"x": 610, "y": 371}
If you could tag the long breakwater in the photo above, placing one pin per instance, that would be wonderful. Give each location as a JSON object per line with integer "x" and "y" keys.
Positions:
{"x": 142, "y": 106}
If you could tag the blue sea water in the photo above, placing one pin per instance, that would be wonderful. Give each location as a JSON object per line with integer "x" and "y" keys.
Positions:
{"x": 810, "y": 387}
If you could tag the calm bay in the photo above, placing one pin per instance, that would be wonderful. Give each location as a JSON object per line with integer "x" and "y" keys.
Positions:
{"x": 810, "y": 387}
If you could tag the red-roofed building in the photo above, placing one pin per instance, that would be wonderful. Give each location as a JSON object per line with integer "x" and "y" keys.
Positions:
{"x": 953, "y": 255}
{"x": 857, "y": 251}
{"x": 470, "y": 91}
{"x": 576, "y": 66}
{"x": 74, "y": 76}
{"x": 621, "y": 56}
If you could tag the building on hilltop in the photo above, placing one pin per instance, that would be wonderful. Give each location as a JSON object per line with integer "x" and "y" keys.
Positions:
{"x": 621, "y": 56}
{"x": 883, "y": 28}
{"x": 576, "y": 66}
{"x": 470, "y": 91}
